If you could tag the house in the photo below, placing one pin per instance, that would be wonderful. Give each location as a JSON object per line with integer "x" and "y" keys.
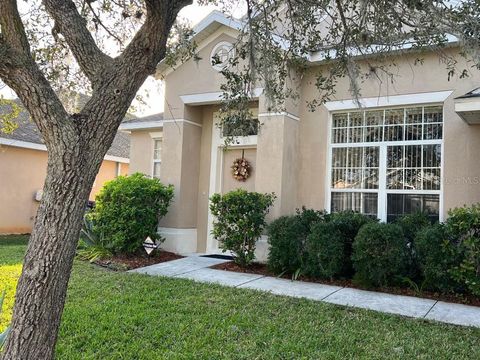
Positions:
{"x": 23, "y": 166}
{"x": 412, "y": 145}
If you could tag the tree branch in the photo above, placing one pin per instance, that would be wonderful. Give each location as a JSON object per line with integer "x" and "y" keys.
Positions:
{"x": 13, "y": 31}
{"x": 72, "y": 26}
{"x": 19, "y": 71}
{"x": 152, "y": 36}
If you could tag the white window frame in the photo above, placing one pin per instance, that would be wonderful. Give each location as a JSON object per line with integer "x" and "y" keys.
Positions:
{"x": 156, "y": 161}
{"x": 382, "y": 190}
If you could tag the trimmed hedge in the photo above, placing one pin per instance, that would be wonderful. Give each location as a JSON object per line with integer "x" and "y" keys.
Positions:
{"x": 463, "y": 228}
{"x": 287, "y": 237}
{"x": 380, "y": 255}
{"x": 437, "y": 255}
{"x": 127, "y": 210}
{"x": 329, "y": 246}
{"x": 411, "y": 225}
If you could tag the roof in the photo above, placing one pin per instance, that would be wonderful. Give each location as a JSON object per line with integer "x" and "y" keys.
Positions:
{"x": 217, "y": 19}
{"x": 27, "y": 132}
{"x": 471, "y": 94}
{"x": 206, "y": 27}
{"x": 146, "y": 122}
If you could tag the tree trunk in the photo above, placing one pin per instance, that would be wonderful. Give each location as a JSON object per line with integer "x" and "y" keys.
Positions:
{"x": 42, "y": 287}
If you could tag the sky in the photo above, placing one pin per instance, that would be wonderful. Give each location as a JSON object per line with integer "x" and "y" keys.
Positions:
{"x": 152, "y": 90}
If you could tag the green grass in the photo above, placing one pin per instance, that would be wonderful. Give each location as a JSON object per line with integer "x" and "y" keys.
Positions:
{"x": 130, "y": 316}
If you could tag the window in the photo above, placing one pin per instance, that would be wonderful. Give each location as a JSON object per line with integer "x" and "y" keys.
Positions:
{"x": 157, "y": 157}
{"x": 386, "y": 163}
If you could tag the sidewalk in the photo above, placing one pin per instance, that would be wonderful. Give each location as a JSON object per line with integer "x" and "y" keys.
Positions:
{"x": 197, "y": 268}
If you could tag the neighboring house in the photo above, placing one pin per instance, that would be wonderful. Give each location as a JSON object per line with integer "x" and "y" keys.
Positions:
{"x": 23, "y": 166}
{"x": 414, "y": 145}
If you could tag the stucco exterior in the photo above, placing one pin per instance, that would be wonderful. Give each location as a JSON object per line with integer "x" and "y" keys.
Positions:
{"x": 290, "y": 154}
{"x": 22, "y": 174}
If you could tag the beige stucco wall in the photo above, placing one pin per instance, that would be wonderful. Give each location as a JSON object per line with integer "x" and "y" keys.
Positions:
{"x": 22, "y": 174}
{"x": 461, "y": 178}
{"x": 141, "y": 151}
{"x": 204, "y": 177}
{"x": 181, "y": 168}
{"x": 291, "y": 152}
{"x": 193, "y": 77}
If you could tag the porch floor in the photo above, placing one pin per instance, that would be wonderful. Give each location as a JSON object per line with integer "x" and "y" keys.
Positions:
{"x": 197, "y": 268}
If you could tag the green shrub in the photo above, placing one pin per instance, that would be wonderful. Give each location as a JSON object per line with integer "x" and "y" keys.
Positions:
{"x": 437, "y": 255}
{"x": 463, "y": 226}
{"x": 329, "y": 245}
{"x": 325, "y": 251}
{"x": 380, "y": 255}
{"x": 127, "y": 210}
{"x": 411, "y": 224}
{"x": 240, "y": 220}
{"x": 287, "y": 240}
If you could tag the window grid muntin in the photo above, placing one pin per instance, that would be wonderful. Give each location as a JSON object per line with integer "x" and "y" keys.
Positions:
{"x": 387, "y": 126}
{"x": 157, "y": 157}
{"x": 434, "y": 118}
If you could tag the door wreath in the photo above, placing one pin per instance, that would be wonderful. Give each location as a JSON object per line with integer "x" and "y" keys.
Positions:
{"x": 241, "y": 168}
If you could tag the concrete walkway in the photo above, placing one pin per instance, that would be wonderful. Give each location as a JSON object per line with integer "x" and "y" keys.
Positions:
{"x": 197, "y": 268}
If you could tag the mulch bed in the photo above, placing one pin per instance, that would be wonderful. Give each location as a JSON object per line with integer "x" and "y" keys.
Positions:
{"x": 261, "y": 269}
{"x": 137, "y": 260}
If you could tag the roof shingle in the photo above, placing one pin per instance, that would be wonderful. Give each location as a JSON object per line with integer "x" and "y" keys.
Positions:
{"x": 27, "y": 131}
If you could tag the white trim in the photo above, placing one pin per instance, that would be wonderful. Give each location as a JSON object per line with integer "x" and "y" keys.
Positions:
{"x": 179, "y": 241}
{"x": 23, "y": 144}
{"x": 467, "y": 106}
{"x": 331, "y": 54}
{"x": 141, "y": 125}
{"x": 42, "y": 147}
{"x": 154, "y": 124}
{"x": 117, "y": 159}
{"x": 156, "y": 134}
{"x": 164, "y": 70}
{"x": 215, "y": 16}
{"x": 156, "y": 161}
{"x": 216, "y": 171}
{"x": 219, "y": 17}
{"x": 242, "y": 141}
{"x": 182, "y": 120}
{"x": 389, "y": 101}
{"x": 212, "y": 97}
{"x": 282, "y": 113}
{"x": 231, "y": 54}
{"x": 382, "y": 190}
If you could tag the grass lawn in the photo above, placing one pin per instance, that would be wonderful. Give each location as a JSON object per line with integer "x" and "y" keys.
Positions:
{"x": 130, "y": 316}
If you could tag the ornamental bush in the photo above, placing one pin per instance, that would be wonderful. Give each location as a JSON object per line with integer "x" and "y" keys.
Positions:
{"x": 411, "y": 224}
{"x": 437, "y": 255}
{"x": 239, "y": 222}
{"x": 463, "y": 228}
{"x": 287, "y": 240}
{"x": 127, "y": 210}
{"x": 380, "y": 255}
{"x": 329, "y": 245}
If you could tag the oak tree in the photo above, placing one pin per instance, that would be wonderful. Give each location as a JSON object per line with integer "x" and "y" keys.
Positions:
{"x": 56, "y": 45}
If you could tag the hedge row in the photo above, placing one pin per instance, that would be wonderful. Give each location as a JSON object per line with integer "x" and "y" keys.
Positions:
{"x": 440, "y": 257}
